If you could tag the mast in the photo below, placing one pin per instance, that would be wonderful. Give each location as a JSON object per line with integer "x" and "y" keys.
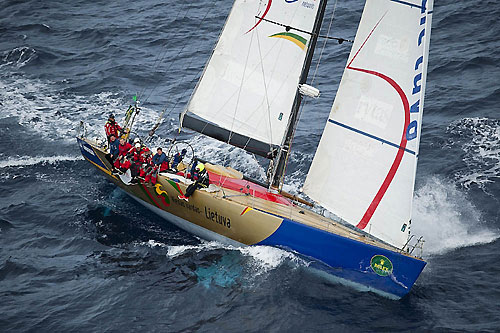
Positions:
{"x": 280, "y": 161}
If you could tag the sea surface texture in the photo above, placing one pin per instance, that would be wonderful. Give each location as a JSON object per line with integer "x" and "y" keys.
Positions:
{"x": 76, "y": 254}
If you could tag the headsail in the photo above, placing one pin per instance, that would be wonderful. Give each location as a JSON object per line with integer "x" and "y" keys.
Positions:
{"x": 364, "y": 168}
{"x": 246, "y": 92}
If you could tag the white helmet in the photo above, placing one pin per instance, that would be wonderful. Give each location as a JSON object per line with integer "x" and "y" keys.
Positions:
{"x": 137, "y": 140}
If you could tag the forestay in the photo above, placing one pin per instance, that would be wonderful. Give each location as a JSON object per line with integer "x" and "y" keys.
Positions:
{"x": 246, "y": 92}
{"x": 364, "y": 168}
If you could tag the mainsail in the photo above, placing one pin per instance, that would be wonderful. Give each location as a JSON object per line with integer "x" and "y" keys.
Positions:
{"x": 248, "y": 87}
{"x": 364, "y": 168}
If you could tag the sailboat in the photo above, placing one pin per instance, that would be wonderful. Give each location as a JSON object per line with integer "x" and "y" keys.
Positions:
{"x": 363, "y": 172}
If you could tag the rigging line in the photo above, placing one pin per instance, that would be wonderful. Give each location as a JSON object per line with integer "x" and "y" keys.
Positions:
{"x": 185, "y": 74}
{"x": 271, "y": 76}
{"x": 265, "y": 93}
{"x": 241, "y": 86}
{"x": 159, "y": 55}
{"x": 239, "y": 91}
{"x": 288, "y": 28}
{"x": 266, "y": 97}
{"x": 313, "y": 78}
{"x": 184, "y": 46}
{"x": 273, "y": 71}
{"x": 290, "y": 146}
{"x": 324, "y": 42}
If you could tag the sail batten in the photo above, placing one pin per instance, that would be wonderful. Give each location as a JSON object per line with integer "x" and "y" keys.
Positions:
{"x": 364, "y": 167}
{"x": 250, "y": 82}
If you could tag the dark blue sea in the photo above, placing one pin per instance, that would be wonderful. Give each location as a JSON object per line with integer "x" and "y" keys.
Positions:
{"x": 76, "y": 254}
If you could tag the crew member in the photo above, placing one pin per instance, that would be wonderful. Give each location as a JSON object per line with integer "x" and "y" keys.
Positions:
{"x": 135, "y": 160}
{"x": 193, "y": 168}
{"x": 178, "y": 159}
{"x": 113, "y": 149}
{"x": 160, "y": 160}
{"x": 147, "y": 167}
{"x": 112, "y": 127}
{"x": 201, "y": 178}
{"x": 124, "y": 149}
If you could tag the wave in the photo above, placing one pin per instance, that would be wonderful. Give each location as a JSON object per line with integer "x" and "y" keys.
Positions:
{"x": 263, "y": 258}
{"x": 24, "y": 161}
{"x": 479, "y": 139}
{"x": 18, "y": 57}
{"x": 447, "y": 219}
{"x": 43, "y": 108}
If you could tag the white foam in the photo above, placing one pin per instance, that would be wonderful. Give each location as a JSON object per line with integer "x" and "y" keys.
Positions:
{"x": 447, "y": 219}
{"x": 294, "y": 180}
{"x": 41, "y": 108}
{"x": 266, "y": 258}
{"x": 176, "y": 250}
{"x": 23, "y": 161}
{"x": 263, "y": 258}
{"x": 480, "y": 140}
{"x": 18, "y": 57}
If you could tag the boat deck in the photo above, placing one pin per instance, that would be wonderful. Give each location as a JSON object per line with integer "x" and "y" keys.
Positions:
{"x": 258, "y": 197}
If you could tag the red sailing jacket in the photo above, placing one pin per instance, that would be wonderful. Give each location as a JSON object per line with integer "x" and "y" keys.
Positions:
{"x": 124, "y": 149}
{"x": 141, "y": 155}
{"x": 112, "y": 128}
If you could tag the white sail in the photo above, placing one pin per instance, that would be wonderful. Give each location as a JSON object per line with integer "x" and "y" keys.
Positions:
{"x": 250, "y": 82}
{"x": 364, "y": 168}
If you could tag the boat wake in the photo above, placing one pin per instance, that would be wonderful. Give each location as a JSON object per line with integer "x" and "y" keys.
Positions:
{"x": 263, "y": 259}
{"x": 447, "y": 219}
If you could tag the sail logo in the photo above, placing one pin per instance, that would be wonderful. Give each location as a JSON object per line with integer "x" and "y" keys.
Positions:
{"x": 411, "y": 130}
{"x": 294, "y": 38}
{"x": 381, "y": 265}
{"x": 308, "y": 5}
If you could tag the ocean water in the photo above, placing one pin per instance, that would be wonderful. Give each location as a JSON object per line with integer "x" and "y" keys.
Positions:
{"x": 76, "y": 254}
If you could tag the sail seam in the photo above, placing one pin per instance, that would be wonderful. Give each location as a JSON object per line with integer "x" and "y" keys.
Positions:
{"x": 371, "y": 136}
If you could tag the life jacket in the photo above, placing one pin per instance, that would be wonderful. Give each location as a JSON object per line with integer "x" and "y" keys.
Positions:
{"x": 141, "y": 154}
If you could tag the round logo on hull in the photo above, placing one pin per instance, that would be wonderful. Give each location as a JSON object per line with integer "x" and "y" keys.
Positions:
{"x": 381, "y": 265}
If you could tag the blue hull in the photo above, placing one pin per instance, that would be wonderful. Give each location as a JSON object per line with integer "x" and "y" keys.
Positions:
{"x": 348, "y": 259}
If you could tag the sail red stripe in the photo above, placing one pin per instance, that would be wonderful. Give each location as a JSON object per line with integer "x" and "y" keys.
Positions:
{"x": 262, "y": 17}
{"x": 399, "y": 156}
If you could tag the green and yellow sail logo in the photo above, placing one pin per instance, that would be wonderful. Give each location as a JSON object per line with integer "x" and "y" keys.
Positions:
{"x": 381, "y": 265}
{"x": 294, "y": 38}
